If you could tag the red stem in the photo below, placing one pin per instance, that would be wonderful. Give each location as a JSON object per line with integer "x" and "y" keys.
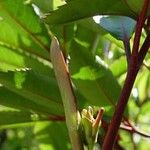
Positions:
{"x": 116, "y": 120}
{"x": 56, "y": 118}
{"x": 142, "y": 134}
{"x": 133, "y": 130}
{"x": 129, "y": 128}
{"x": 144, "y": 49}
{"x": 140, "y": 24}
{"x": 130, "y": 78}
{"x": 126, "y": 43}
{"x": 99, "y": 117}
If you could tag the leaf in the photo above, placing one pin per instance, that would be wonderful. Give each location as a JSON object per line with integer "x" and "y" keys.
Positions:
{"x": 85, "y": 29}
{"x": 52, "y": 136}
{"x": 21, "y": 28}
{"x": 65, "y": 33}
{"x": 142, "y": 84}
{"x": 44, "y": 5}
{"x": 79, "y": 9}
{"x": 119, "y": 66}
{"x": 20, "y": 138}
{"x": 120, "y": 27}
{"x": 136, "y": 5}
{"x": 92, "y": 79}
{"x": 11, "y": 60}
{"x": 14, "y": 118}
{"x": 47, "y": 5}
{"x": 145, "y": 111}
{"x": 37, "y": 88}
{"x": 14, "y": 100}
{"x": 93, "y": 35}
{"x": 89, "y": 24}
{"x": 67, "y": 93}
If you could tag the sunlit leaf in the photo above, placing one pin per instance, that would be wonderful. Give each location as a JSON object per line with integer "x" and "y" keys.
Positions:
{"x": 11, "y": 60}
{"x": 92, "y": 79}
{"x": 21, "y": 28}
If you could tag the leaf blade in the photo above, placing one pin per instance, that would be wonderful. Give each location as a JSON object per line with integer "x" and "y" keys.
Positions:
{"x": 92, "y": 79}
{"x": 79, "y": 9}
{"x": 35, "y": 88}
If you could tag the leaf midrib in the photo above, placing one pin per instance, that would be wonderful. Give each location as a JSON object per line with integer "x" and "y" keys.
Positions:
{"x": 36, "y": 40}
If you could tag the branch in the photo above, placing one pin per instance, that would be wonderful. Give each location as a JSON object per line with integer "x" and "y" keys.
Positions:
{"x": 144, "y": 49}
{"x": 130, "y": 78}
{"x": 117, "y": 117}
{"x": 139, "y": 26}
{"x": 56, "y": 118}
{"x": 128, "y": 128}
{"x": 127, "y": 49}
{"x": 133, "y": 130}
{"x": 145, "y": 65}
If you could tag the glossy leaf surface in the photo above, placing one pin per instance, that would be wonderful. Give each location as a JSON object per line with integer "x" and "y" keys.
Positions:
{"x": 120, "y": 27}
{"x": 79, "y": 9}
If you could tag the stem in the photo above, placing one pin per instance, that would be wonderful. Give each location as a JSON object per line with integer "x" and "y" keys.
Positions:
{"x": 117, "y": 117}
{"x": 56, "y": 118}
{"x": 99, "y": 117}
{"x": 140, "y": 24}
{"x": 130, "y": 129}
{"x": 142, "y": 134}
{"x": 130, "y": 78}
{"x": 146, "y": 66}
{"x": 127, "y": 50}
{"x": 144, "y": 49}
{"x": 91, "y": 145}
{"x": 68, "y": 98}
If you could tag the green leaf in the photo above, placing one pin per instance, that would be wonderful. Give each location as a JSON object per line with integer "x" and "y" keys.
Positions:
{"x": 145, "y": 111}
{"x": 90, "y": 25}
{"x": 79, "y": 9}
{"x": 20, "y": 28}
{"x": 142, "y": 83}
{"x": 11, "y": 60}
{"x": 52, "y": 136}
{"x": 14, "y": 118}
{"x": 119, "y": 66}
{"x": 91, "y": 78}
{"x": 86, "y": 30}
{"x": 120, "y": 27}
{"x": 47, "y": 5}
{"x": 20, "y": 138}
{"x": 136, "y": 5}
{"x": 14, "y": 100}
{"x": 44, "y": 5}
{"x": 37, "y": 88}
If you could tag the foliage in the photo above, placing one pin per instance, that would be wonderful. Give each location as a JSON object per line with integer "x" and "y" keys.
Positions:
{"x": 31, "y": 107}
